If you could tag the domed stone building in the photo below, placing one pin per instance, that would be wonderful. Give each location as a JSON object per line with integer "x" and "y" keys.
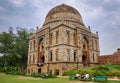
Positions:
{"x": 63, "y": 43}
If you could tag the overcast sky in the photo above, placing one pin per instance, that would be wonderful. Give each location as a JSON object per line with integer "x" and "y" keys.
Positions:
{"x": 102, "y": 15}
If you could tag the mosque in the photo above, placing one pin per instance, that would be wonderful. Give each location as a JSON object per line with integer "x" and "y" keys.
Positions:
{"x": 62, "y": 43}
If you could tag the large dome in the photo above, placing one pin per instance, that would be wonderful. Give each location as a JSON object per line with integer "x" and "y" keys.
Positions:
{"x": 63, "y": 11}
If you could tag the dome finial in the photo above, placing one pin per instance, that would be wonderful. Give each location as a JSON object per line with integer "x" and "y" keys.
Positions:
{"x": 63, "y": 4}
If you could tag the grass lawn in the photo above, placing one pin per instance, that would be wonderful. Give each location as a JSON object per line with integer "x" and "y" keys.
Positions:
{"x": 22, "y": 79}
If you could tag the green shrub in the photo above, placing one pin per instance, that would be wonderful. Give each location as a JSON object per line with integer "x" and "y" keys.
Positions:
{"x": 50, "y": 75}
{"x": 104, "y": 70}
{"x": 100, "y": 72}
{"x": 102, "y": 67}
{"x": 1, "y": 69}
{"x": 15, "y": 73}
{"x": 117, "y": 67}
{"x": 26, "y": 74}
{"x": 36, "y": 75}
{"x": 42, "y": 75}
{"x": 5, "y": 69}
{"x": 20, "y": 73}
{"x": 71, "y": 72}
{"x": 8, "y": 72}
{"x": 9, "y": 69}
{"x": 11, "y": 72}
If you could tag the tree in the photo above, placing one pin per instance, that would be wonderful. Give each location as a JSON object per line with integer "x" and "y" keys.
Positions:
{"x": 14, "y": 48}
{"x": 22, "y": 39}
{"x": 6, "y": 43}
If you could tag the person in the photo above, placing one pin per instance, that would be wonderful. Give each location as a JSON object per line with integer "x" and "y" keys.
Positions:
{"x": 40, "y": 63}
{"x": 86, "y": 76}
{"x": 78, "y": 75}
{"x": 46, "y": 75}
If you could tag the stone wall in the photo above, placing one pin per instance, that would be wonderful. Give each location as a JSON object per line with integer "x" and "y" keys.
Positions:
{"x": 112, "y": 58}
{"x": 61, "y": 67}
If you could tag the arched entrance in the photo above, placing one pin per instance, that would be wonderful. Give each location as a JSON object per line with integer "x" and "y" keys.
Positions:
{"x": 43, "y": 58}
{"x": 84, "y": 60}
{"x": 56, "y": 71}
{"x": 39, "y": 70}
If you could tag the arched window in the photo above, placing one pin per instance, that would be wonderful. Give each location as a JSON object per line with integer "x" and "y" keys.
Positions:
{"x": 33, "y": 58}
{"x": 74, "y": 35}
{"x": 51, "y": 56}
{"x": 84, "y": 47}
{"x": 56, "y": 55}
{"x": 29, "y": 59}
{"x": 30, "y": 45}
{"x": 42, "y": 47}
{"x": 96, "y": 44}
{"x": 93, "y": 57}
{"x": 34, "y": 44}
{"x": 57, "y": 33}
{"x": 74, "y": 56}
{"x": 68, "y": 37}
{"x": 51, "y": 38}
{"x": 92, "y": 44}
{"x": 68, "y": 51}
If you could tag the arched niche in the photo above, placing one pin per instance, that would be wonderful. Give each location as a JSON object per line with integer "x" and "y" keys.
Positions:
{"x": 85, "y": 50}
{"x": 41, "y": 49}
